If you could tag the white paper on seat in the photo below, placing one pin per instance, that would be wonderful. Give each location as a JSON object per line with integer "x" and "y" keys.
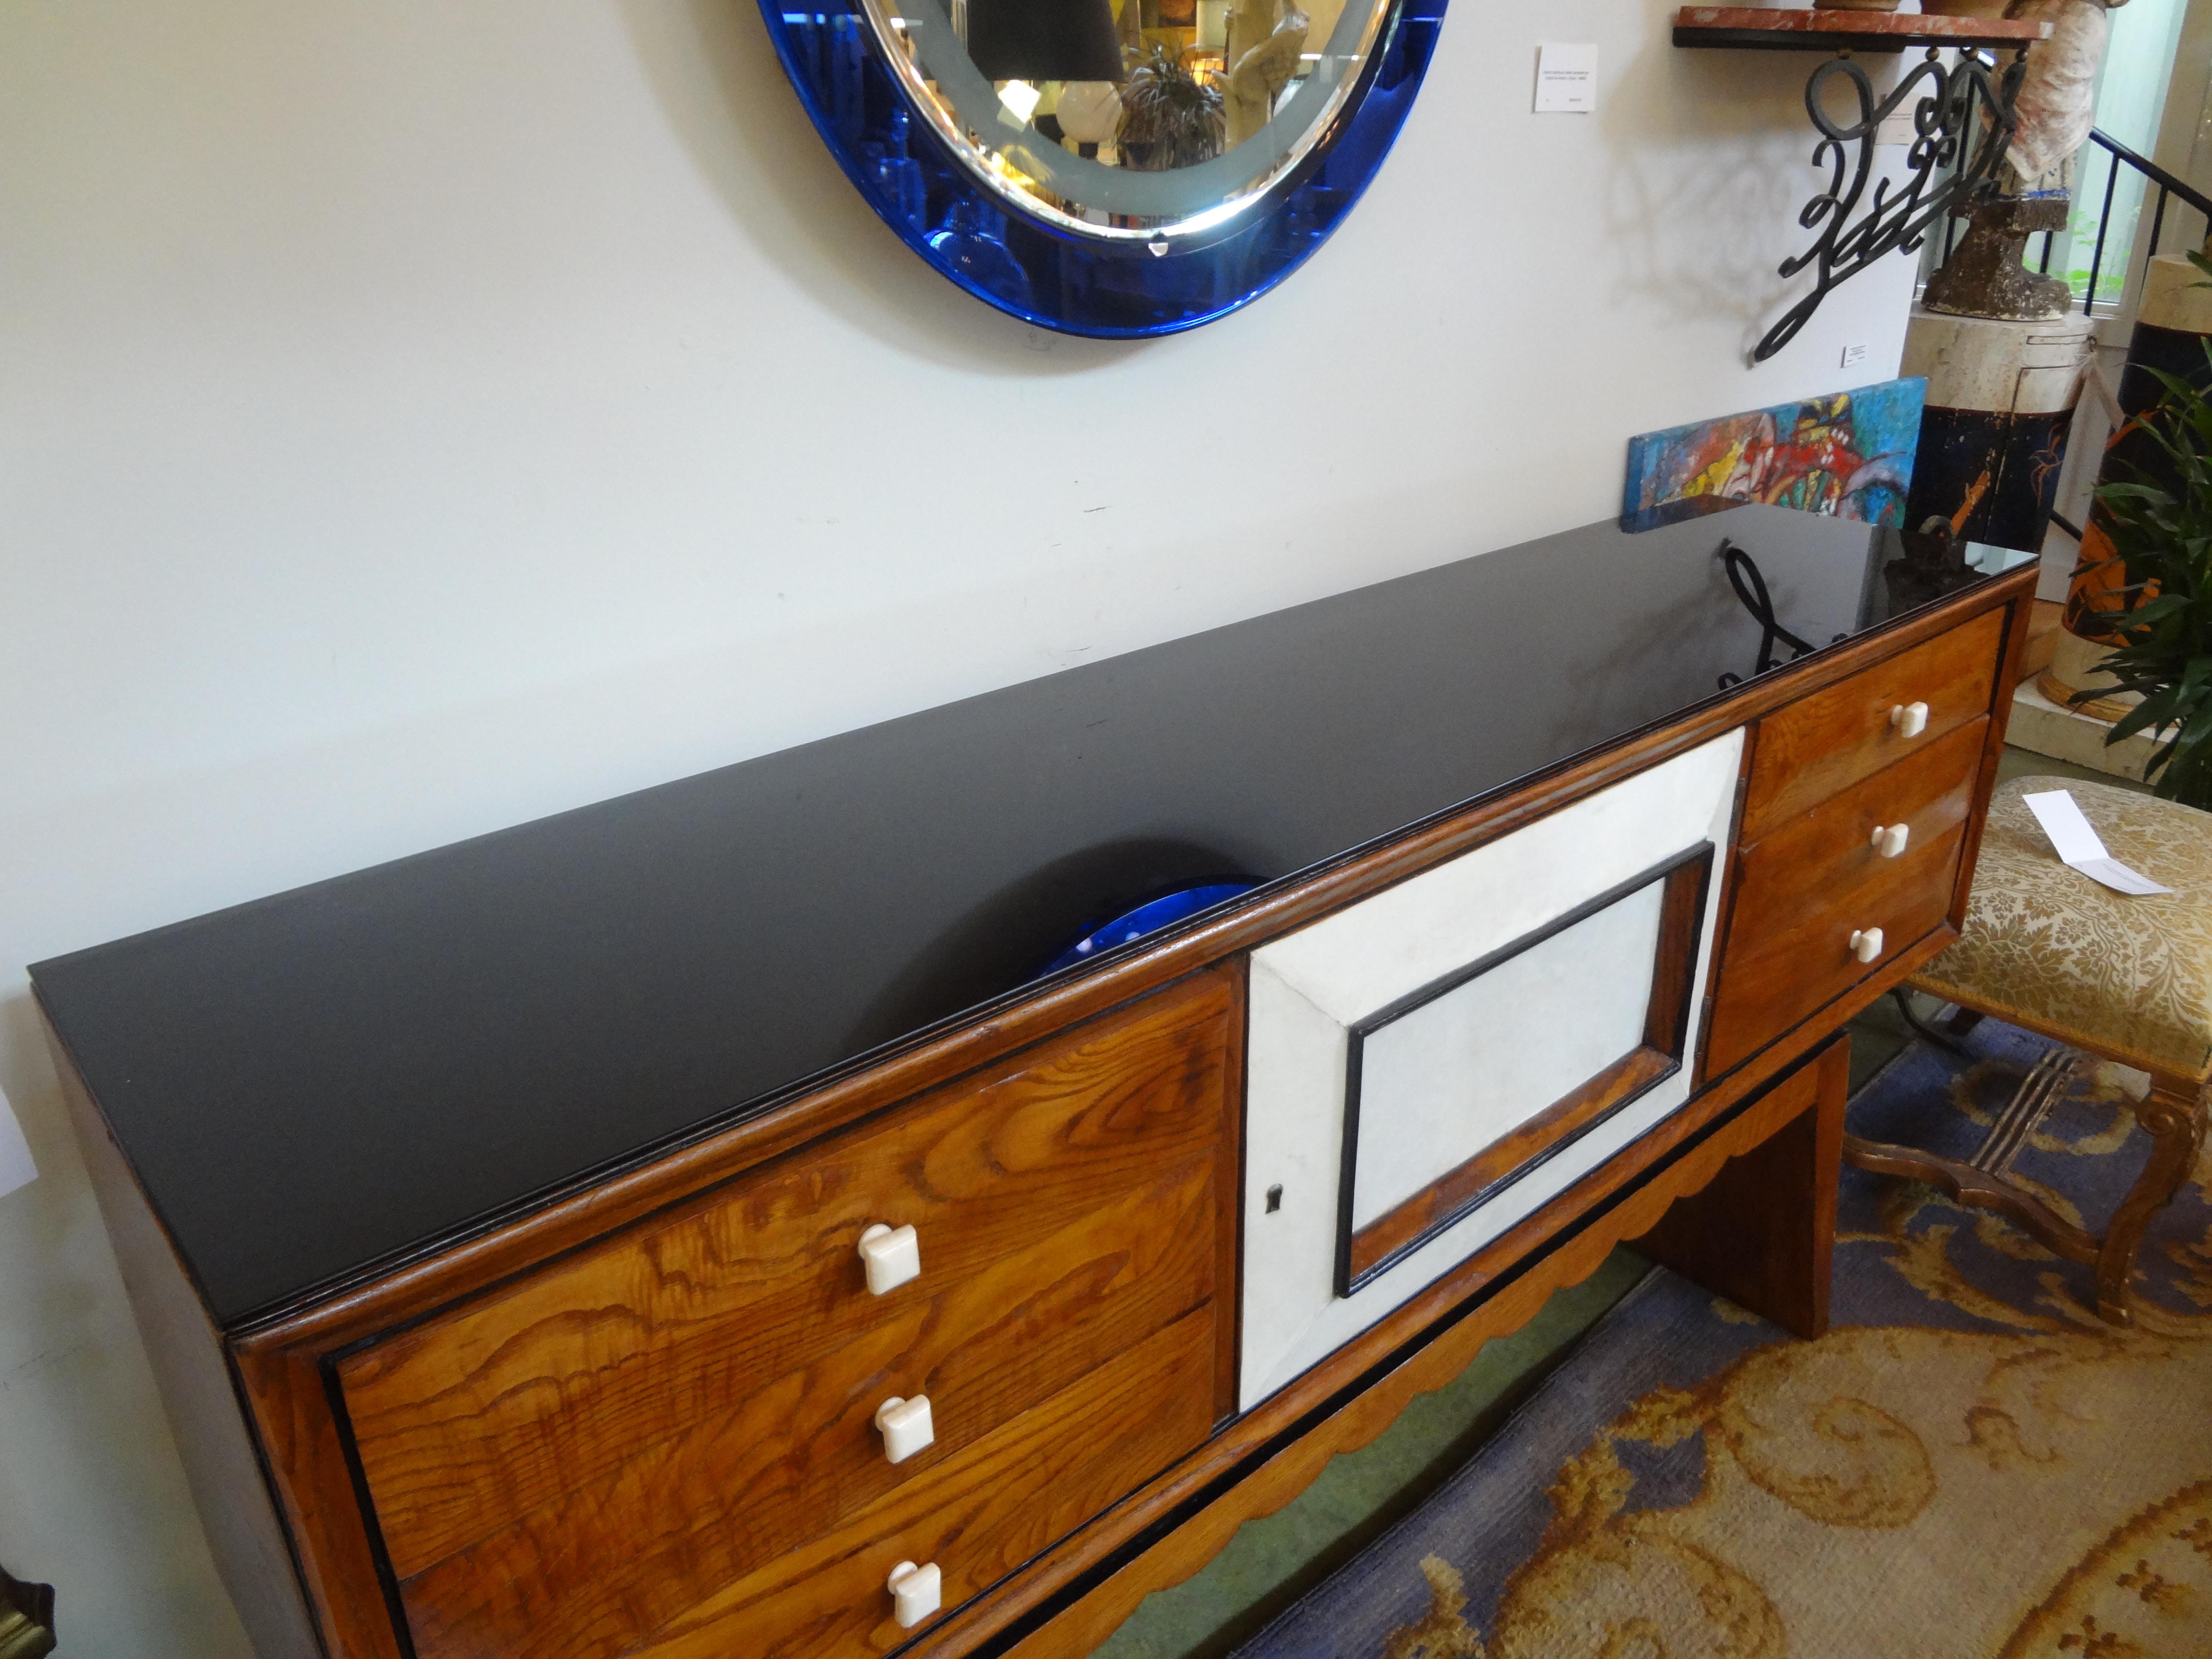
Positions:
{"x": 2076, "y": 840}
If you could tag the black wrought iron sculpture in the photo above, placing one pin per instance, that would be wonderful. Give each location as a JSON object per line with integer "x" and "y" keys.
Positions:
{"x": 1750, "y": 584}
{"x": 1949, "y": 163}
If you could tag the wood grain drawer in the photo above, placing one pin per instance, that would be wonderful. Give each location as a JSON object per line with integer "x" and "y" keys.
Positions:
{"x": 978, "y": 1517}
{"x": 1807, "y": 751}
{"x": 1828, "y": 848}
{"x": 1802, "y": 891}
{"x": 566, "y": 1465}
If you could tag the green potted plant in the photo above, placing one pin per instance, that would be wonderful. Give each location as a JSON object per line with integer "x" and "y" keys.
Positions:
{"x": 1170, "y": 117}
{"x": 2160, "y": 524}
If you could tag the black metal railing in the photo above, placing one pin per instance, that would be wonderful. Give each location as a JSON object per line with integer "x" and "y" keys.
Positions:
{"x": 2169, "y": 188}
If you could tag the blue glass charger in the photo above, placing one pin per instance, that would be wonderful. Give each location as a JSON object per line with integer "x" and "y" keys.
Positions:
{"x": 1147, "y": 918}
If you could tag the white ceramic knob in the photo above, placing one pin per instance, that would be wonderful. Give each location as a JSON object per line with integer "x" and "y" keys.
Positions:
{"x": 1911, "y": 718}
{"x": 1890, "y": 840}
{"x": 916, "y": 1592}
{"x": 1866, "y": 945}
{"x": 893, "y": 1256}
{"x": 906, "y": 1423}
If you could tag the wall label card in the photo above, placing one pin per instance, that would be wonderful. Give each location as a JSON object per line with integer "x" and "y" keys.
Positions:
{"x": 1566, "y": 78}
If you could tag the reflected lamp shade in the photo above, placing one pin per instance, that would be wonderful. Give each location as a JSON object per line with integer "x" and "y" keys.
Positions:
{"x": 1044, "y": 40}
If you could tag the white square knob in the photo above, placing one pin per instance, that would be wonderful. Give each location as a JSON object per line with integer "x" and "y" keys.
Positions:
{"x": 1911, "y": 718}
{"x": 907, "y": 1426}
{"x": 893, "y": 1256}
{"x": 1866, "y": 945}
{"x": 916, "y": 1592}
{"x": 1890, "y": 840}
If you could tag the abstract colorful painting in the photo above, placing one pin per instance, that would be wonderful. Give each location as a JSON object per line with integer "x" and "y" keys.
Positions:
{"x": 1848, "y": 454}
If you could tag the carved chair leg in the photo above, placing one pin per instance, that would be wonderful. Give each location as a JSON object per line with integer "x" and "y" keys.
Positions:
{"x": 2176, "y": 1124}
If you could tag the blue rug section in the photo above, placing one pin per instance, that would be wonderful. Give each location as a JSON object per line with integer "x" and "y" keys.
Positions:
{"x": 1494, "y": 1512}
{"x": 1491, "y": 1517}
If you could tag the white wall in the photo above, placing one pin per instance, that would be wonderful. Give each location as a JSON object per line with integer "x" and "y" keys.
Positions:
{"x": 415, "y": 417}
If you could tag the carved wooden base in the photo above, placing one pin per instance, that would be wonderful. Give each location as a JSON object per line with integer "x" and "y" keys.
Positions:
{"x": 1747, "y": 1209}
{"x": 2173, "y": 1115}
{"x": 1762, "y": 1232}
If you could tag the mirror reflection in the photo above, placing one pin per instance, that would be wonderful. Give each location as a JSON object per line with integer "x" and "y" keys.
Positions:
{"x": 1144, "y": 119}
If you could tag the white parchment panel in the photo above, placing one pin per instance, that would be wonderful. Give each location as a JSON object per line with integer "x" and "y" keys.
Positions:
{"x": 1440, "y": 1083}
{"x": 1308, "y": 989}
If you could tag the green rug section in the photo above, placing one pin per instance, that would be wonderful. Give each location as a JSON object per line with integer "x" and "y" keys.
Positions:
{"x": 1273, "y": 1561}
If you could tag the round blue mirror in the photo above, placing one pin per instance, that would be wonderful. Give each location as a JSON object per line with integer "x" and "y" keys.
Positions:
{"x": 1110, "y": 167}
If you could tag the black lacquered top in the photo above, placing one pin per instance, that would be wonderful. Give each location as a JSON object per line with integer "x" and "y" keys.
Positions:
{"x": 335, "y": 1077}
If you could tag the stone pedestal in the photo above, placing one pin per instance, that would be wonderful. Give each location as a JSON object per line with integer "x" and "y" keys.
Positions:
{"x": 2044, "y": 728}
{"x": 2001, "y": 397}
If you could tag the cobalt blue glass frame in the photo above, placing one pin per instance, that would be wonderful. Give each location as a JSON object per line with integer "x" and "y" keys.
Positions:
{"x": 1058, "y": 279}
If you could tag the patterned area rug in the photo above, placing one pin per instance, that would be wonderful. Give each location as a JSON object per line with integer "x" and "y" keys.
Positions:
{"x": 1970, "y": 1463}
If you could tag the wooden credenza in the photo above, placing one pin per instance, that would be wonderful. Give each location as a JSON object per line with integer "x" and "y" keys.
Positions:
{"x": 667, "y": 1404}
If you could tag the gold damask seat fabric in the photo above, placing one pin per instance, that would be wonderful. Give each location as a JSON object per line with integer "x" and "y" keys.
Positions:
{"x": 2044, "y": 947}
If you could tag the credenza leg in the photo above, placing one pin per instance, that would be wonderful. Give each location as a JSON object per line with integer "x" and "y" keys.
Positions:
{"x": 1762, "y": 1232}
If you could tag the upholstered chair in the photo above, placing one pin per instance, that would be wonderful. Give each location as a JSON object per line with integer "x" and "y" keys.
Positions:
{"x": 2129, "y": 979}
